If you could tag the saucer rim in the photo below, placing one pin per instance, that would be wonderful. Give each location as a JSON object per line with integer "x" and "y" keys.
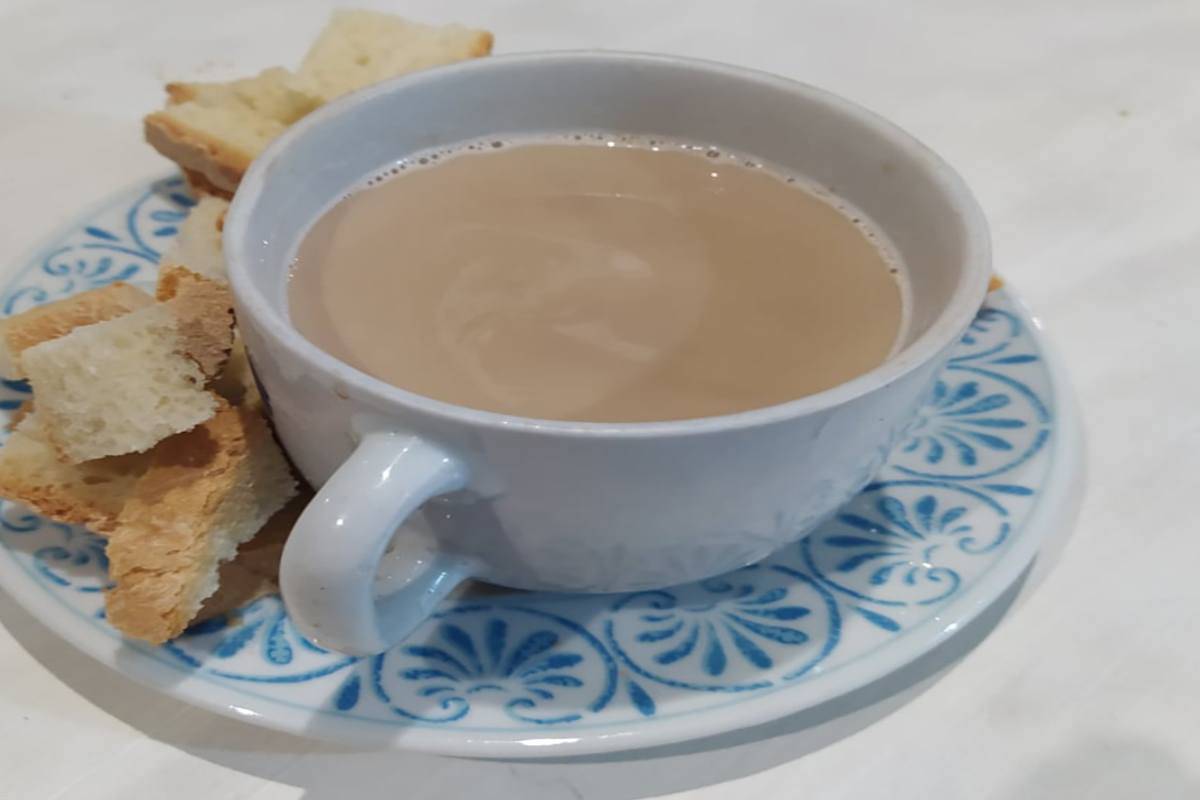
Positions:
{"x": 1058, "y": 498}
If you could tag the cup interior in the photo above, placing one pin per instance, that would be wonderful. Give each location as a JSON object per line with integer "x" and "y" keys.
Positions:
{"x": 914, "y": 197}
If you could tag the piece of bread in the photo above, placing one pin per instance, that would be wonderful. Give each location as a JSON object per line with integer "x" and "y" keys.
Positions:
{"x": 125, "y": 384}
{"x": 201, "y": 186}
{"x": 205, "y": 493}
{"x": 217, "y": 129}
{"x": 214, "y": 130}
{"x": 197, "y": 245}
{"x": 254, "y": 571}
{"x": 18, "y": 415}
{"x": 52, "y": 320}
{"x": 236, "y": 383}
{"x": 204, "y": 313}
{"x": 359, "y": 48}
{"x": 274, "y": 93}
{"x": 91, "y": 494}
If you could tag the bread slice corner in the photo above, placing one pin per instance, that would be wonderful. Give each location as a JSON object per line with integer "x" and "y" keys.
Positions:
{"x": 197, "y": 245}
{"x": 91, "y": 494}
{"x": 214, "y": 130}
{"x": 216, "y": 146}
{"x": 358, "y": 48}
{"x": 52, "y": 320}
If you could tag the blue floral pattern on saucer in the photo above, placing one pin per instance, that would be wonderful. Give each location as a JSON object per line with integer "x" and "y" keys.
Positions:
{"x": 944, "y": 509}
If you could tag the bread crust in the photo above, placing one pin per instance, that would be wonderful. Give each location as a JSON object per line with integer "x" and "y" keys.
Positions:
{"x": 482, "y": 46}
{"x": 201, "y": 186}
{"x": 215, "y": 166}
{"x": 210, "y": 159}
{"x": 205, "y": 492}
{"x": 91, "y": 494}
{"x": 52, "y": 320}
{"x": 254, "y": 572}
{"x": 204, "y": 310}
{"x": 180, "y": 91}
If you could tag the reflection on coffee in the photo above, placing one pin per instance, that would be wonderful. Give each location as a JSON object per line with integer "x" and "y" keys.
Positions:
{"x": 599, "y": 279}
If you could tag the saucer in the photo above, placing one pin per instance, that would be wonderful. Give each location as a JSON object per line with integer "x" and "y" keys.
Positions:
{"x": 951, "y": 521}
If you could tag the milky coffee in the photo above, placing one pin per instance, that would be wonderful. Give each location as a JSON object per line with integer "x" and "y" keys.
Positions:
{"x": 597, "y": 278}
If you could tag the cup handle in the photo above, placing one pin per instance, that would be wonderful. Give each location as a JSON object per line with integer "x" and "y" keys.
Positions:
{"x": 330, "y": 572}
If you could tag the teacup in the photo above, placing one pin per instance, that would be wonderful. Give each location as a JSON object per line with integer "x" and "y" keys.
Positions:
{"x": 417, "y": 495}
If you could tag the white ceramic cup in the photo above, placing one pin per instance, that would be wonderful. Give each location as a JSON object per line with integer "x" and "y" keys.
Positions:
{"x": 417, "y": 495}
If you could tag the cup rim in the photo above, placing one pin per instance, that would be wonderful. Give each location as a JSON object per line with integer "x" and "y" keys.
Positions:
{"x": 951, "y": 321}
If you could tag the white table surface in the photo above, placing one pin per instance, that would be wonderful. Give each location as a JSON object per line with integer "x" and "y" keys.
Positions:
{"x": 1078, "y": 126}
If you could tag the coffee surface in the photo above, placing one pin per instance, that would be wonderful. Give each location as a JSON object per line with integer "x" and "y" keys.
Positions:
{"x": 588, "y": 281}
